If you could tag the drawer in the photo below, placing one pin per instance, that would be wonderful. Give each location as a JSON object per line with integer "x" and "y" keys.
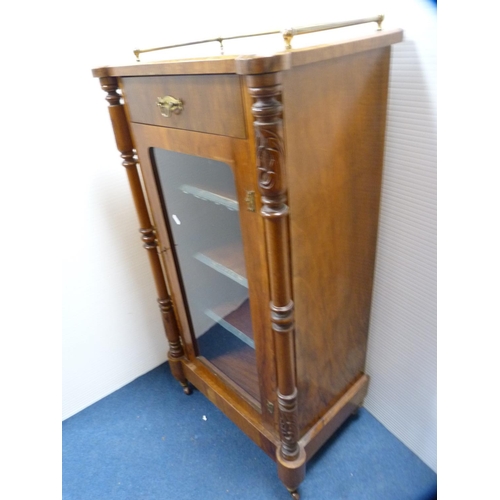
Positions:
{"x": 210, "y": 103}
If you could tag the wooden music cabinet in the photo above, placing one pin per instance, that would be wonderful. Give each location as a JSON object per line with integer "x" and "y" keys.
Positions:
{"x": 257, "y": 185}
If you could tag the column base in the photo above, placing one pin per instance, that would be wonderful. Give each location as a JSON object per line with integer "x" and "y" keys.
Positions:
{"x": 178, "y": 372}
{"x": 292, "y": 472}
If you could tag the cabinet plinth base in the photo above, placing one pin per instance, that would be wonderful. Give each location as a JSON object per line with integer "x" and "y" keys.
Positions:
{"x": 248, "y": 418}
{"x": 325, "y": 427}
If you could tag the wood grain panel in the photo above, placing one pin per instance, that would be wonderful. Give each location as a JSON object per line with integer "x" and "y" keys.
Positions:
{"x": 344, "y": 48}
{"x": 212, "y": 103}
{"x": 334, "y": 168}
{"x": 207, "y": 65}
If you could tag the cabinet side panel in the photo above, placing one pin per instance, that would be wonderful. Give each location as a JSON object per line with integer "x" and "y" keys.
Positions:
{"x": 334, "y": 115}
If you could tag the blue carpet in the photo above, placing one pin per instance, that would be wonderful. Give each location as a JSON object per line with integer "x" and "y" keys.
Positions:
{"x": 149, "y": 441}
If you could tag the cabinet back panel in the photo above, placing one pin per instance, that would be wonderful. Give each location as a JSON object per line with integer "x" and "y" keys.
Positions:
{"x": 335, "y": 139}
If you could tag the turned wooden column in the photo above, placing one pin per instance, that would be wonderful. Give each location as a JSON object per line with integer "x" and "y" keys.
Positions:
{"x": 263, "y": 79}
{"x": 125, "y": 146}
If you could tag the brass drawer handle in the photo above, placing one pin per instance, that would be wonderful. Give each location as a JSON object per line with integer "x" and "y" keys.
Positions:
{"x": 169, "y": 105}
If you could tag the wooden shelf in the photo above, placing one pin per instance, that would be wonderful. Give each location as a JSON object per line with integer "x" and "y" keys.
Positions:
{"x": 227, "y": 260}
{"x": 235, "y": 319}
{"x": 219, "y": 198}
{"x": 233, "y": 358}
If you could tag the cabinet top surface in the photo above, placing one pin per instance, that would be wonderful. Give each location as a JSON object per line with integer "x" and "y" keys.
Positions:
{"x": 255, "y": 64}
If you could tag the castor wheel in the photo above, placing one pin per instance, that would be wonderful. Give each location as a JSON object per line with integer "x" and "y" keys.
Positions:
{"x": 295, "y": 495}
{"x": 187, "y": 389}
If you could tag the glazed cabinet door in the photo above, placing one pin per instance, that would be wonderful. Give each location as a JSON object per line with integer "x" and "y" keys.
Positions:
{"x": 201, "y": 206}
{"x": 210, "y": 234}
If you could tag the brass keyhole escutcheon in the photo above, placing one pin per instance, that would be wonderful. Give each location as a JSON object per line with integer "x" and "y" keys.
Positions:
{"x": 169, "y": 105}
{"x": 250, "y": 201}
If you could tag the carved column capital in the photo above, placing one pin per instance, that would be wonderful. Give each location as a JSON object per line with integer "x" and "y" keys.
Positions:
{"x": 110, "y": 85}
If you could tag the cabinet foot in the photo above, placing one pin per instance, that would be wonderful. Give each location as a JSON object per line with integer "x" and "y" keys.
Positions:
{"x": 292, "y": 472}
{"x": 187, "y": 388}
{"x": 178, "y": 373}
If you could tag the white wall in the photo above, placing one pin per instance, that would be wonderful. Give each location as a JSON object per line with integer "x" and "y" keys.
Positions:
{"x": 112, "y": 331}
{"x": 402, "y": 355}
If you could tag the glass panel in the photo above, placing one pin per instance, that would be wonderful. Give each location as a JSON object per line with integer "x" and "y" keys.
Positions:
{"x": 200, "y": 201}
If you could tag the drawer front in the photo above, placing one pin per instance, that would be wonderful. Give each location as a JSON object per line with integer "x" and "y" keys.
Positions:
{"x": 210, "y": 103}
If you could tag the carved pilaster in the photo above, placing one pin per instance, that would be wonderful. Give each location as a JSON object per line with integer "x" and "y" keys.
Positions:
{"x": 263, "y": 78}
{"x": 288, "y": 424}
{"x": 270, "y": 155}
{"x": 125, "y": 145}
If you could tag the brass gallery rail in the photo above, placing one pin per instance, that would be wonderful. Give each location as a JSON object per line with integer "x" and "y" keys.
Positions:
{"x": 287, "y": 34}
